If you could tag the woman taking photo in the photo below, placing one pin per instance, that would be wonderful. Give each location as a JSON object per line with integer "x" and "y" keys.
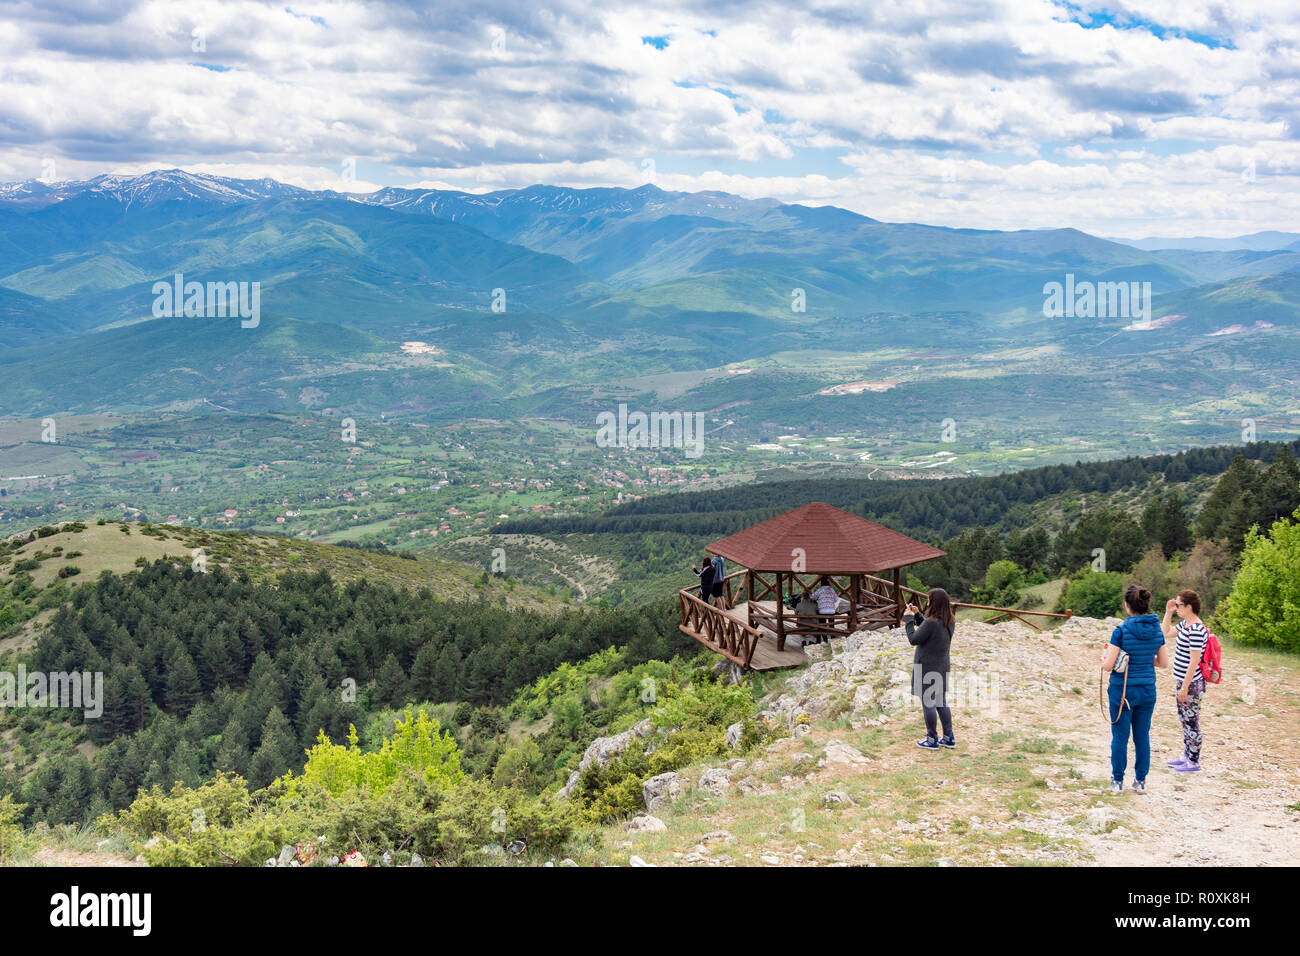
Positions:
{"x": 1191, "y": 637}
{"x": 932, "y": 638}
{"x": 1133, "y": 686}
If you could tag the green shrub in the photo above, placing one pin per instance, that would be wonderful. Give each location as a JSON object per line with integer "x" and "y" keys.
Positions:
{"x": 693, "y": 723}
{"x": 1095, "y": 594}
{"x": 1264, "y": 605}
{"x": 419, "y": 745}
{"x": 217, "y": 824}
{"x": 12, "y": 840}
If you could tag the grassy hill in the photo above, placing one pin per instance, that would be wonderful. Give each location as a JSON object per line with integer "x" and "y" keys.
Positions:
{"x": 122, "y": 547}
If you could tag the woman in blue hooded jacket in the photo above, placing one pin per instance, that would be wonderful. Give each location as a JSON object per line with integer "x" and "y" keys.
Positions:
{"x": 1133, "y": 692}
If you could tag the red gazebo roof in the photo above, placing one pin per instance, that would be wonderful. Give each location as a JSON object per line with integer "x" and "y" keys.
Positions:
{"x": 833, "y": 542}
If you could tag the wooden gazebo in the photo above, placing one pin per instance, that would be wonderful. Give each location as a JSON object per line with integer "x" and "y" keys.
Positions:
{"x": 787, "y": 555}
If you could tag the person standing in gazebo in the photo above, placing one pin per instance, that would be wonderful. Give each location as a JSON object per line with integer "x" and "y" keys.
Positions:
{"x": 705, "y": 573}
{"x": 826, "y": 599}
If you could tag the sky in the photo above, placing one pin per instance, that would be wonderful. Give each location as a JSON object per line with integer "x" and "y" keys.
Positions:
{"x": 1127, "y": 119}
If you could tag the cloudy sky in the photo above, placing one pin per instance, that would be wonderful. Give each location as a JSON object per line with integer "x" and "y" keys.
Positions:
{"x": 1130, "y": 118}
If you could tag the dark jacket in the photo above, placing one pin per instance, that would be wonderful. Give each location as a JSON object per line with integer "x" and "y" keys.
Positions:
{"x": 706, "y": 581}
{"x": 930, "y": 663}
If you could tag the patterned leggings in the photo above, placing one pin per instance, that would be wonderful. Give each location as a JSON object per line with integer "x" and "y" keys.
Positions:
{"x": 1189, "y": 715}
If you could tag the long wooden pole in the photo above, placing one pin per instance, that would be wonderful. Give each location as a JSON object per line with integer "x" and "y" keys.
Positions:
{"x": 855, "y": 592}
{"x": 898, "y": 598}
{"x": 749, "y": 595}
{"x": 780, "y": 614}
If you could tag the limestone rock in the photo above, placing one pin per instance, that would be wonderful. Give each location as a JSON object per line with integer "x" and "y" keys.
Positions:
{"x": 644, "y": 823}
{"x": 661, "y": 790}
{"x": 716, "y": 781}
{"x": 838, "y": 752}
{"x": 603, "y": 750}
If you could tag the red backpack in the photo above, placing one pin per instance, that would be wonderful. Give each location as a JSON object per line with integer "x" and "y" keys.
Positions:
{"x": 1212, "y": 660}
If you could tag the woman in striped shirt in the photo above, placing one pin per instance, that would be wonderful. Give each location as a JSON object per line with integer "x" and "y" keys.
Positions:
{"x": 1191, "y": 635}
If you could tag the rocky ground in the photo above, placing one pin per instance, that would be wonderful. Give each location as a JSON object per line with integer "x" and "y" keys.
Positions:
{"x": 1027, "y": 783}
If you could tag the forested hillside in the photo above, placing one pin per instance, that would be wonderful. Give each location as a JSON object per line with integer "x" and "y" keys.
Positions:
{"x": 1047, "y": 520}
{"x": 205, "y": 672}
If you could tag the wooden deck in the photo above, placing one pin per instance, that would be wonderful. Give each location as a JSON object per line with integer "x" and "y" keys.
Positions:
{"x": 766, "y": 656}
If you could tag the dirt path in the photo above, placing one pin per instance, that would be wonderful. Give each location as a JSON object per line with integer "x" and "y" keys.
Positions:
{"x": 1027, "y": 783}
{"x": 1240, "y": 810}
{"x": 65, "y": 856}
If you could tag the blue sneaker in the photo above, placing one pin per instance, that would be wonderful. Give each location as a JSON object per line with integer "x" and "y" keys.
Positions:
{"x": 948, "y": 742}
{"x": 1117, "y": 786}
{"x": 929, "y": 743}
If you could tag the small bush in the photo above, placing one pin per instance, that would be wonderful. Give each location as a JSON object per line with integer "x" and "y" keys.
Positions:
{"x": 1094, "y": 594}
{"x": 12, "y": 840}
{"x": 1264, "y": 605}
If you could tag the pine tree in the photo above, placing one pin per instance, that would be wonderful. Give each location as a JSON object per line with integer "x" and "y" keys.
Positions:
{"x": 390, "y": 683}
{"x": 278, "y": 752}
{"x": 424, "y": 672}
{"x": 1234, "y": 492}
{"x": 1176, "y": 530}
{"x": 1153, "y": 520}
{"x": 1279, "y": 489}
{"x": 182, "y": 687}
{"x": 233, "y": 754}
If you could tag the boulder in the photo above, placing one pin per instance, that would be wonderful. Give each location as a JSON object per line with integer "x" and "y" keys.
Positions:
{"x": 1100, "y": 818}
{"x": 838, "y": 752}
{"x": 661, "y": 790}
{"x": 716, "y": 781}
{"x": 644, "y": 823}
{"x": 604, "y": 749}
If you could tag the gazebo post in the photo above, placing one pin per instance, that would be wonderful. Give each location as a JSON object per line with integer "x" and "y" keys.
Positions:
{"x": 898, "y": 599}
{"x": 749, "y": 595}
{"x": 780, "y": 614}
{"x": 855, "y": 591}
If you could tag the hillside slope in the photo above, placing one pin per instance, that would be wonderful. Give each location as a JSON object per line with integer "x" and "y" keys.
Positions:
{"x": 121, "y": 547}
{"x": 1026, "y": 784}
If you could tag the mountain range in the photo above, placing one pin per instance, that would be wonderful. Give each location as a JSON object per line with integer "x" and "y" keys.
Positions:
{"x": 554, "y": 301}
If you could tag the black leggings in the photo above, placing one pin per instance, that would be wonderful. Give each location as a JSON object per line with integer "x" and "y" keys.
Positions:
{"x": 944, "y": 714}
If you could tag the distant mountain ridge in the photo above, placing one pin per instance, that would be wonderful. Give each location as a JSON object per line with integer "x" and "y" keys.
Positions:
{"x": 549, "y": 300}
{"x": 1256, "y": 242}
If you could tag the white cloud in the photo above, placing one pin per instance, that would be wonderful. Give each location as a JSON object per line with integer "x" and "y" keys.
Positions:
{"x": 1000, "y": 114}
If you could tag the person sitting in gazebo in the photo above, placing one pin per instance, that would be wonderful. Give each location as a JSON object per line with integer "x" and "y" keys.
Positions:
{"x": 806, "y": 608}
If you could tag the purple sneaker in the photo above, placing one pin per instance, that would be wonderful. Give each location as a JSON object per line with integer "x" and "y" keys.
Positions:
{"x": 1188, "y": 767}
{"x": 1178, "y": 764}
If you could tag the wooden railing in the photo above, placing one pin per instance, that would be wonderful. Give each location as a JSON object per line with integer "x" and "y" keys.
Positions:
{"x": 1003, "y": 612}
{"x": 715, "y": 628}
